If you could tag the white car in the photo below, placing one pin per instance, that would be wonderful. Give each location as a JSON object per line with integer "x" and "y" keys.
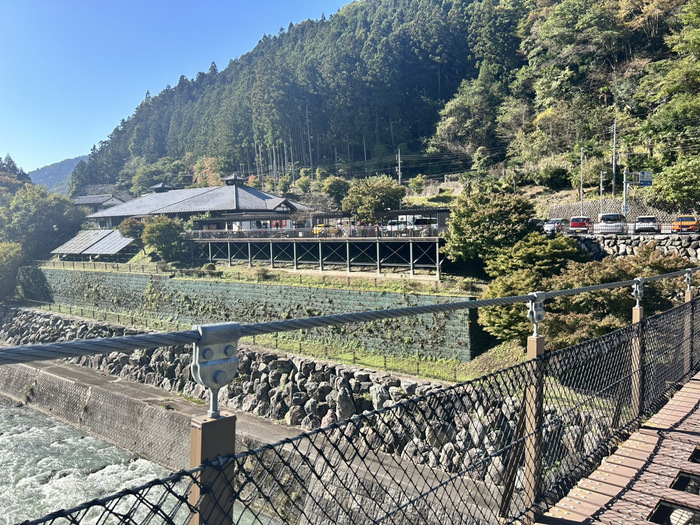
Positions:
{"x": 553, "y": 226}
{"x": 397, "y": 226}
{"x": 611, "y": 223}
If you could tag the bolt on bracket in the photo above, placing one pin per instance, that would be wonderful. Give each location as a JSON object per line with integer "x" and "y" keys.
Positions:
{"x": 535, "y": 312}
{"x": 215, "y": 359}
{"x": 638, "y": 290}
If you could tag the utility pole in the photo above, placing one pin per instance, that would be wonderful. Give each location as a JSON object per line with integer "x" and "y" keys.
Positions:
{"x": 602, "y": 174}
{"x": 624, "y": 191}
{"x": 581, "y": 188}
{"x": 308, "y": 137}
{"x": 614, "y": 156}
{"x": 398, "y": 169}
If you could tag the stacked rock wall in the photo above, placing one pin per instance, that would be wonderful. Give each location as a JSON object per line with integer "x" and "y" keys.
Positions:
{"x": 453, "y": 430}
{"x": 600, "y": 246}
{"x": 299, "y": 391}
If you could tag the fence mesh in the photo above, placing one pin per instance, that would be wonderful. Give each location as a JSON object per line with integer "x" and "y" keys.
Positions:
{"x": 484, "y": 452}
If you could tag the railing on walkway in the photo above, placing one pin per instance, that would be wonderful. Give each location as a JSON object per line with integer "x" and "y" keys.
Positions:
{"x": 498, "y": 449}
{"x": 318, "y": 233}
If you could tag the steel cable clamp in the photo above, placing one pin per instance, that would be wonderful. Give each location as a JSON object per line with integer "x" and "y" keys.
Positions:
{"x": 638, "y": 290}
{"x": 535, "y": 312}
{"x": 215, "y": 359}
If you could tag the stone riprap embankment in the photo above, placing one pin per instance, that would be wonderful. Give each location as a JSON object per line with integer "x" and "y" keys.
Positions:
{"x": 296, "y": 390}
{"x": 600, "y": 246}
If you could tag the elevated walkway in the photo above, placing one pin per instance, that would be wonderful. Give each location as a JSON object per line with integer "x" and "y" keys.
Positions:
{"x": 653, "y": 477}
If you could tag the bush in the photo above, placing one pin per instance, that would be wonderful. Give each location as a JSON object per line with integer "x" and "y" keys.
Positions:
{"x": 11, "y": 257}
{"x": 538, "y": 253}
{"x": 553, "y": 178}
{"x": 32, "y": 284}
{"x": 577, "y": 318}
{"x": 163, "y": 234}
{"x": 509, "y": 322}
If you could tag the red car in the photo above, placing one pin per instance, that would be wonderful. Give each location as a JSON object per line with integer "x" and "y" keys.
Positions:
{"x": 580, "y": 225}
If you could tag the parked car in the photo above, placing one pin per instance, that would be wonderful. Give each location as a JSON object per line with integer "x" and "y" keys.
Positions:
{"x": 553, "y": 226}
{"x": 647, "y": 224}
{"x": 426, "y": 226}
{"x": 325, "y": 230}
{"x": 580, "y": 224}
{"x": 536, "y": 223}
{"x": 685, "y": 223}
{"x": 397, "y": 226}
{"x": 612, "y": 223}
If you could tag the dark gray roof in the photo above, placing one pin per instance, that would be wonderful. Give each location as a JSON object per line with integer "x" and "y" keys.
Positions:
{"x": 149, "y": 204}
{"x": 82, "y": 241}
{"x": 94, "y": 199}
{"x": 237, "y": 198}
{"x": 94, "y": 242}
{"x": 110, "y": 245}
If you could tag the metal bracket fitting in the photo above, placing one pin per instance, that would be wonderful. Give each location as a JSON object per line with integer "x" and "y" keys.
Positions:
{"x": 215, "y": 359}
{"x": 638, "y": 290}
{"x": 535, "y": 312}
{"x": 688, "y": 279}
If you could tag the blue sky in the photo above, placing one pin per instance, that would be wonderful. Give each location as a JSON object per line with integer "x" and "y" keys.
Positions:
{"x": 70, "y": 70}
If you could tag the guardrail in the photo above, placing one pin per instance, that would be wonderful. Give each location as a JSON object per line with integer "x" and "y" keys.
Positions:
{"x": 498, "y": 449}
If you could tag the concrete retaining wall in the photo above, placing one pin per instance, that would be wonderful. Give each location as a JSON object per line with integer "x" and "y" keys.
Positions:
{"x": 149, "y": 431}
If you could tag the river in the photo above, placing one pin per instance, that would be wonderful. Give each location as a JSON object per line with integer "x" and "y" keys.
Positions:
{"x": 48, "y": 465}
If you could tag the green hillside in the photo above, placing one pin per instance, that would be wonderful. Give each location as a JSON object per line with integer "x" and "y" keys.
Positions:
{"x": 510, "y": 91}
{"x": 56, "y": 176}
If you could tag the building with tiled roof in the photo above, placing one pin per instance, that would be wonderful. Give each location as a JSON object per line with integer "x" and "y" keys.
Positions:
{"x": 98, "y": 202}
{"x": 233, "y": 206}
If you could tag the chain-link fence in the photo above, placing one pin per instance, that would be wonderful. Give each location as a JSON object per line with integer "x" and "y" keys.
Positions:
{"x": 493, "y": 450}
{"x": 637, "y": 208}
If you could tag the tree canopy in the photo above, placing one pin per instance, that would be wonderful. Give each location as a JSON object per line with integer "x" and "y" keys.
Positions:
{"x": 39, "y": 220}
{"x": 163, "y": 234}
{"x": 510, "y": 89}
{"x": 368, "y": 196}
{"x": 482, "y": 224}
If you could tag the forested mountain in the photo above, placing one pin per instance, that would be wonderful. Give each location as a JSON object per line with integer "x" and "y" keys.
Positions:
{"x": 509, "y": 87}
{"x": 56, "y": 176}
{"x": 32, "y": 220}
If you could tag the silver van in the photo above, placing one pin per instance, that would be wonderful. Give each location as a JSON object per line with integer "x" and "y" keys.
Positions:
{"x": 611, "y": 223}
